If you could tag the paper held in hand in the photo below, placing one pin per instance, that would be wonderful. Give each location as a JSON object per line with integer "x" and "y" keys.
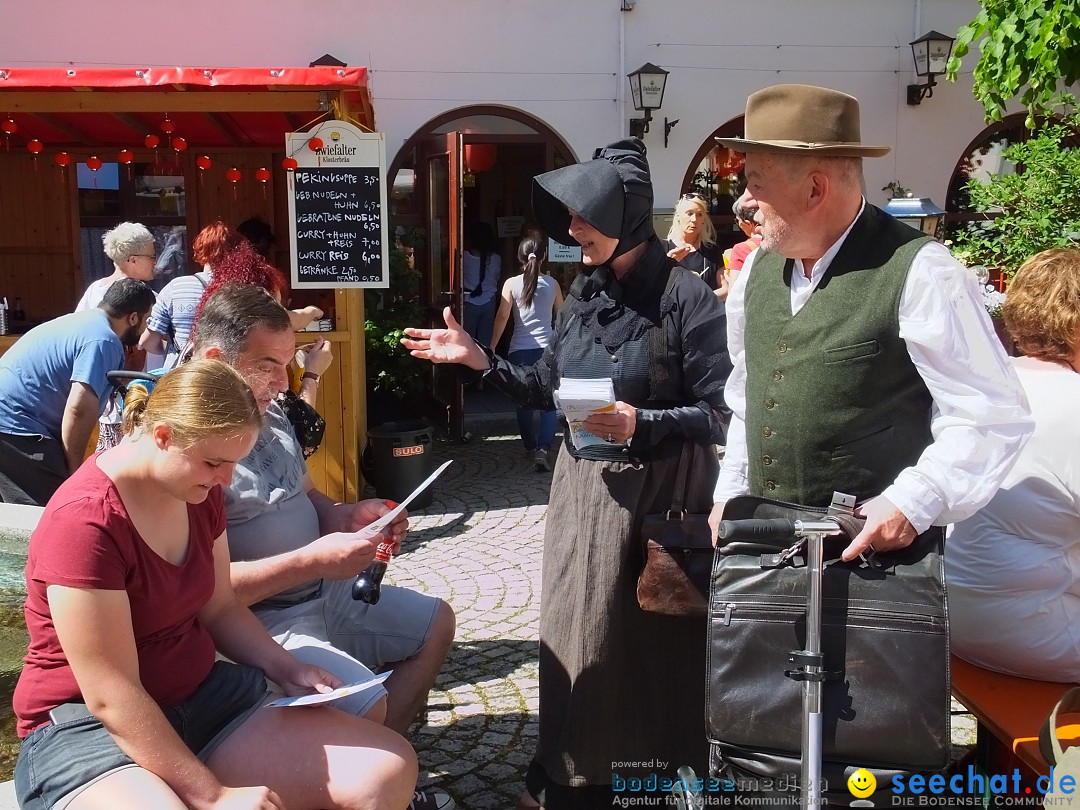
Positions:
{"x": 326, "y": 697}
{"x": 577, "y": 398}
{"x": 377, "y": 526}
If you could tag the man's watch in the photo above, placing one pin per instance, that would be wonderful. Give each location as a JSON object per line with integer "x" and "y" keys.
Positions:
{"x": 309, "y": 375}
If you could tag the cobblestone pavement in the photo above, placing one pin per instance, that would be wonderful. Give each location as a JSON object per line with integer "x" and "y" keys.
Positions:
{"x": 478, "y": 546}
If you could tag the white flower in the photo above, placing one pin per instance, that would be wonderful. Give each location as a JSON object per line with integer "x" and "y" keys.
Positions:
{"x": 993, "y": 300}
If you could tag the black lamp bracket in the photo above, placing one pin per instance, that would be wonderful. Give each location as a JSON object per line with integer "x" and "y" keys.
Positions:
{"x": 917, "y": 92}
{"x": 668, "y": 126}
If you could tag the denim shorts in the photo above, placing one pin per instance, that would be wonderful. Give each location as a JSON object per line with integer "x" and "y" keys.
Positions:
{"x": 57, "y": 761}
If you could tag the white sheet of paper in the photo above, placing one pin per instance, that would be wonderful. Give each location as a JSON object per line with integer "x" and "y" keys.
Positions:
{"x": 321, "y": 697}
{"x": 377, "y": 526}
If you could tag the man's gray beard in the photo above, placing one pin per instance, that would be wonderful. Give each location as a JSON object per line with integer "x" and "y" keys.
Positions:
{"x": 773, "y": 241}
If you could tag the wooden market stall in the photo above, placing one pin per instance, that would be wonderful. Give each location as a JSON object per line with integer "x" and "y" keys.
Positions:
{"x": 175, "y": 149}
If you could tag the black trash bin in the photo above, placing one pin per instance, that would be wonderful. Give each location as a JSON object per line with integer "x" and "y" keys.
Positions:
{"x": 398, "y": 459}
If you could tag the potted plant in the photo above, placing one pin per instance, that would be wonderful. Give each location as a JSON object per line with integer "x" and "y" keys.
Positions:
{"x": 395, "y": 379}
{"x": 1035, "y": 208}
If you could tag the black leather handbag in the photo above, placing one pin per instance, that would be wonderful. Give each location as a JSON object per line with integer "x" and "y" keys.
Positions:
{"x": 886, "y": 694}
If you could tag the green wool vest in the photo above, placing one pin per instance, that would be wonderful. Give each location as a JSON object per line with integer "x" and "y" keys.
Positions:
{"x": 833, "y": 401}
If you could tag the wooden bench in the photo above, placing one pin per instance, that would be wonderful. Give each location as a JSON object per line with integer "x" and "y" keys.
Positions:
{"x": 1010, "y": 712}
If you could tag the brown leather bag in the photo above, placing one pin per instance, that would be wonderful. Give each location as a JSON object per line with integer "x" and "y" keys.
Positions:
{"x": 678, "y": 553}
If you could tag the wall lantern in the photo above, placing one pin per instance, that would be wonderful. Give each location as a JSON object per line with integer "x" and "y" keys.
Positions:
{"x": 921, "y": 213}
{"x": 647, "y": 90}
{"x": 931, "y": 53}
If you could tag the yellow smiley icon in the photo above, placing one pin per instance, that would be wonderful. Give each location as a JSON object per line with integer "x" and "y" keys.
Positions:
{"x": 861, "y": 783}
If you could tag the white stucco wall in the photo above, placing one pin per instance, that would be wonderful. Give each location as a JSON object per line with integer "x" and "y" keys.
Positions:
{"x": 562, "y": 61}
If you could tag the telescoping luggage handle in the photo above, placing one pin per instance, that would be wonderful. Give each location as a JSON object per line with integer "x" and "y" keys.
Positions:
{"x": 838, "y": 520}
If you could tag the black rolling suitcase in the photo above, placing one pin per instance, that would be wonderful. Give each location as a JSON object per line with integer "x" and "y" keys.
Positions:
{"x": 868, "y": 674}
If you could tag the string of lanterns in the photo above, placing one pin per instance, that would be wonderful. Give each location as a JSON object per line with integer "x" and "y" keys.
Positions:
{"x": 152, "y": 141}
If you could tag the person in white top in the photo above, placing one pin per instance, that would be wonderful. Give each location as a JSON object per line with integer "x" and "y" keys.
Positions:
{"x": 920, "y": 415}
{"x": 534, "y": 297}
{"x": 130, "y": 245}
{"x": 480, "y": 279}
{"x": 1013, "y": 568}
{"x": 131, "y": 248}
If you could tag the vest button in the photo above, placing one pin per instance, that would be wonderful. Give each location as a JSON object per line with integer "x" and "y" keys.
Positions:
{"x": 767, "y": 459}
{"x": 614, "y": 359}
{"x": 777, "y": 375}
{"x": 769, "y": 404}
{"x": 766, "y": 432}
{"x": 770, "y": 485}
{"x": 782, "y": 347}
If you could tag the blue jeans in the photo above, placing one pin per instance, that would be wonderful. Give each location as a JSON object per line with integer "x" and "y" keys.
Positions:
{"x": 479, "y": 319}
{"x": 526, "y": 357}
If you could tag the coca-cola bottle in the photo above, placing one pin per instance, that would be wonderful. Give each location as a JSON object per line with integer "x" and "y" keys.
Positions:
{"x": 368, "y": 584}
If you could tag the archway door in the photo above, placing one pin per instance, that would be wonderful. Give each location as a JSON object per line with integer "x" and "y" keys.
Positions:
{"x": 481, "y": 171}
{"x": 716, "y": 174}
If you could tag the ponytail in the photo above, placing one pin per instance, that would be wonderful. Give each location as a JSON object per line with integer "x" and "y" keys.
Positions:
{"x": 532, "y": 252}
{"x": 134, "y": 407}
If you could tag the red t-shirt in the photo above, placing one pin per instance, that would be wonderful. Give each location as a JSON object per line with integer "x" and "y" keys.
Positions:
{"x": 85, "y": 540}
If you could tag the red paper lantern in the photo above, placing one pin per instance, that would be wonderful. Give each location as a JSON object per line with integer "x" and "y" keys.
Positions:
{"x": 62, "y": 159}
{"x": 289, "y": 164}
{"x": 151, "y": 141}
{"x": 126, "y": 156}
{"x": 315, "y": 144}
{"x": 167, "y": 126}
{"x": 233, "y": 175}
{"x": 93, "y": 163}
{"x": 179, "y": 144}
{"x": 9, "y": 127}
{"x": 35, "y": 146}
{"x": 479, "y": 157}
{"x": 262, "y": 175}
{"x": 203, "y": 162}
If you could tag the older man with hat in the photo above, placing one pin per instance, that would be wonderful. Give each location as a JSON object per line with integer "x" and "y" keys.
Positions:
{"x": 863, "y": 359}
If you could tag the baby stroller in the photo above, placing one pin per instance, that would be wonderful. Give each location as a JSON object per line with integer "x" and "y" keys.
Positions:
{"x": 858, "y": 649}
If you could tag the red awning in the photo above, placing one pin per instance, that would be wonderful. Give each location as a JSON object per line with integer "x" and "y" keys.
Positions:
{"x": 211, "y": 107}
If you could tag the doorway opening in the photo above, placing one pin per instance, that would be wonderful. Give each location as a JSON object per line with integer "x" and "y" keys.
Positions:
{"x": 467, "y": 166}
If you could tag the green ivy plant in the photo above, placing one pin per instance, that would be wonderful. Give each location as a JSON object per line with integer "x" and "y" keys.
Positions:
{"x": 1036, "y": 208}
{"x": 391, "y": 369}
{"x": 1026, "y": 47}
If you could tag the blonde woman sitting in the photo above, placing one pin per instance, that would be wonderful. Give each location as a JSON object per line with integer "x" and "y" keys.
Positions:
{"x": 121, "y": 702}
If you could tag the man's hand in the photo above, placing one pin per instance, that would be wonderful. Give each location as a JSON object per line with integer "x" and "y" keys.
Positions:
{"x": 366, "y": 512}
{"x": 714, "y": 521}
{"x": 340, "y": 555}
{"x": 449, "y": 345}
{"x": 886, "y": 529}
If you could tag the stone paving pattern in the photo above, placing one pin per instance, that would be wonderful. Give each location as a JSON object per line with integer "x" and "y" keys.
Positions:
{"x": 478, "y": 546}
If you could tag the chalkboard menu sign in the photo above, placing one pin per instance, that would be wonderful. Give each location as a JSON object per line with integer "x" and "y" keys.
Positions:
{"x": 336, "y": 207}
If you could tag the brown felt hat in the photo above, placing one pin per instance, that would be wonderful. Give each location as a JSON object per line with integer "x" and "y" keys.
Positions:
{"x": 802, "y": 119}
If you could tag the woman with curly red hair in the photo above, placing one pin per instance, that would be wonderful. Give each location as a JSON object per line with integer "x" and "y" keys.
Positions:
{"x": 171, "y": 321}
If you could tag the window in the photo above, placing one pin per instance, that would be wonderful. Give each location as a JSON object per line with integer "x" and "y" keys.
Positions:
{"x": 151, "y": 193}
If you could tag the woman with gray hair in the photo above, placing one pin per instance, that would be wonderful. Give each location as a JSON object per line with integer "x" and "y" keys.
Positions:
{"x": 131, "y": 248}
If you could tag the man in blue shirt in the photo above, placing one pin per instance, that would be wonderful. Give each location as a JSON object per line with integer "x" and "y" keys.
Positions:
{"x": 53, "y": 388}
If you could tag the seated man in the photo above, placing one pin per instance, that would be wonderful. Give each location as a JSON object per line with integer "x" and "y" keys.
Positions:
{"x": 53, "y": 388}
{"x": 294, "y": 550}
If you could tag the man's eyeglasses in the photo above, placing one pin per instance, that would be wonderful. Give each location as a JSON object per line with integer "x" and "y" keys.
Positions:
{"x": 143, "y": 256}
